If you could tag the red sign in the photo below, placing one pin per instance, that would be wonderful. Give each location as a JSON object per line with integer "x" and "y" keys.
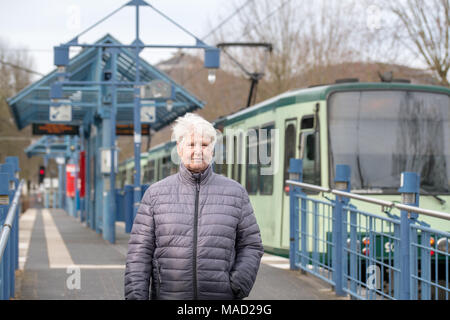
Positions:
{"x": 82, "y": 174}
{"x": 70, "y": 180}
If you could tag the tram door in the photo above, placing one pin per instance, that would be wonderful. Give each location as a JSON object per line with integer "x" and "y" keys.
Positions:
{"x": 309, "y": 150}
{"x": 290, "y": 143}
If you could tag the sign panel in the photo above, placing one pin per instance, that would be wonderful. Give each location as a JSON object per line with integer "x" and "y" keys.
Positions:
{"x": 82, "y": 174}
{"x": 128, "y": 129}
{"x": 54, "y": 129}
{"x": 63, "y": 112}
{"x": 148, "y": 114}
{"x": 70, "y": 180}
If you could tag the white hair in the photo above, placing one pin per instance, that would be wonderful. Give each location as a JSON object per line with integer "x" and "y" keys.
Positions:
{"x": 193, "y": 123}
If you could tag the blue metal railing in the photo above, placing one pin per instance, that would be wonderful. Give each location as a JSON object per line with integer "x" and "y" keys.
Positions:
{"x": 367, "y": 255}
{"x": 10, "y": 190}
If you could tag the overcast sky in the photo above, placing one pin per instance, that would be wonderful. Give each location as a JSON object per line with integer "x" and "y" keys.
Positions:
{"x": 38, "y": 25}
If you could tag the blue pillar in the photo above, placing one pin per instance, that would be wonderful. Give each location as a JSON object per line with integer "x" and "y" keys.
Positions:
{"x": 108, "y": 225}
{"x": 61, "y": 189}
{"x": 15, "y": 162}
{"x": 296, "y": 174}
{"x": 97, "y": 216}
{"x": 4, "y": 204}
{"x": 409, "y": 188}
{"x": 10, "y": 250}
{"x": 109, "y": 141}
{"x": 137, "y": 123}
{"x": 342, "y": 182}
{"x": 46, "y": 192}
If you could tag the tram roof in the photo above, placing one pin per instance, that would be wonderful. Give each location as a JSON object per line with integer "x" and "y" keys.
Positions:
{"x": 31, "y": 105}
{"x": 320, "y": 93}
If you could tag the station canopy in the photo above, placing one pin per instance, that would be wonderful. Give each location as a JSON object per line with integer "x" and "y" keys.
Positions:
{"x": 51, "y": 146}
{"x": 32, "y": 104}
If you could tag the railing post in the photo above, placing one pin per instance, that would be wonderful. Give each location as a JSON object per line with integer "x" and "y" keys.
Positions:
{"x": 15, "y": 163}
{"x": 409, "y": 188}
{"x": 295, "y": 173}
{"x": 8, "y": 256}
{"x": 342, "y": 181}
{"x": 4, "y": 203}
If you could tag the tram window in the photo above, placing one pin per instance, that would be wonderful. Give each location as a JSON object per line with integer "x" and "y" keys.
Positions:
{"x": 308, "y": 152}
{"x": 266, "y": 178}
{"x": 236, "y": 168}
{"x": 289, "y": 148}
{"x": 310, "y": 147}
{"x": 221, "y": 154}
{"x": 240, "y": 157}
{"x": 252, "y": 173}
{"x": 151, "y": 171}
{"x": 166, "y": 167}
{"x": 307, "y": 122}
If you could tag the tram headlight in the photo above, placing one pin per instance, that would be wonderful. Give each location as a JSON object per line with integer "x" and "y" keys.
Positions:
{"x": 443, "y": 245}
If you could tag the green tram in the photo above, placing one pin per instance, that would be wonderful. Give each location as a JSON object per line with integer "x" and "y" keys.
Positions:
{"x": 378, "y": 129}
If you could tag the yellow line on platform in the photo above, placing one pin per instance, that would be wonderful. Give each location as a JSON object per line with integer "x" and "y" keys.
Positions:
{"x": 56, "y": 248}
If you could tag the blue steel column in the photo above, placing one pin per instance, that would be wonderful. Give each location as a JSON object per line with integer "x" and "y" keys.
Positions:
{"x": 76, "y": 156}
{"x": 15, "y": 163}
{"x": 9, "y": 250}
{"x": 342, "y": 181}
{"x": 4, "y": 203}
{"x": 61, "y": 166}
{"x": 137, "y": 124}
{"x": 295, "y": 173}
{"x": 98, "y": 217}
{"x": 46, "y": 200}
{"x": 409, "y": 188}
{"x": 81, "y": 200}
{"x": 109, "y": 208}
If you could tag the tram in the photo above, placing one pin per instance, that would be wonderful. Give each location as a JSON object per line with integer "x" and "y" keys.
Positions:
{"x": 378, "y": 129}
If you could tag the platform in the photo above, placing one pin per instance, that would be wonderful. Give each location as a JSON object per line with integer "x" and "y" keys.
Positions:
{"x": 61, "y": 258}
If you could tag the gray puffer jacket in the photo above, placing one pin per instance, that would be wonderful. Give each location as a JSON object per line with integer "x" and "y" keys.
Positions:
{"x": 195, "y": 236}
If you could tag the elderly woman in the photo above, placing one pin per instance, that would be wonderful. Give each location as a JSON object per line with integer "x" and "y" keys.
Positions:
{"x": 195, "y": 234}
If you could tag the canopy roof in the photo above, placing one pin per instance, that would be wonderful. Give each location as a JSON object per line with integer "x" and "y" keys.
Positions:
{"x": 31, "y": 105}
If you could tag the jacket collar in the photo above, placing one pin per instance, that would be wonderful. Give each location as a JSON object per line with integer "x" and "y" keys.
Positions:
{"x": 192, "y": 177}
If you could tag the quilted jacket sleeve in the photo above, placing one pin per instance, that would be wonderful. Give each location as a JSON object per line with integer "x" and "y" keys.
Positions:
{"x": 140, "y": 252}
{"x": 249, "y": 251}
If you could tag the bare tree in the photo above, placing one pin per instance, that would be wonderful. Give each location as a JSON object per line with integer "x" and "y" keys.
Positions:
{"x": 423, "y": 28}
{"x": 306, "y": 35}
{"x": 15, "y": 74}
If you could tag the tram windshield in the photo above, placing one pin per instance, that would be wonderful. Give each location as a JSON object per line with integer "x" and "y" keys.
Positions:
{"x": 383, "y": 133}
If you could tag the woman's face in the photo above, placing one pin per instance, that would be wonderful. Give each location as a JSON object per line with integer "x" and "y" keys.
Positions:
{"x": 195, "y": 151}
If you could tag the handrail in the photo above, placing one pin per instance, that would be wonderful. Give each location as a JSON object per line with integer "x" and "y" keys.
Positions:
{"x": 7, "y": 226}
{"x": 382, "y": 203}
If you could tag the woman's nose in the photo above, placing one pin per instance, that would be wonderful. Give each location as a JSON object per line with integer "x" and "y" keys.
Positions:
{"x": 198, "y": 149}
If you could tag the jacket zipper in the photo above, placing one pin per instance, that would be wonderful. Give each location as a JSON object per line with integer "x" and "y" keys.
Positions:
{"x": 197, "y": 187}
